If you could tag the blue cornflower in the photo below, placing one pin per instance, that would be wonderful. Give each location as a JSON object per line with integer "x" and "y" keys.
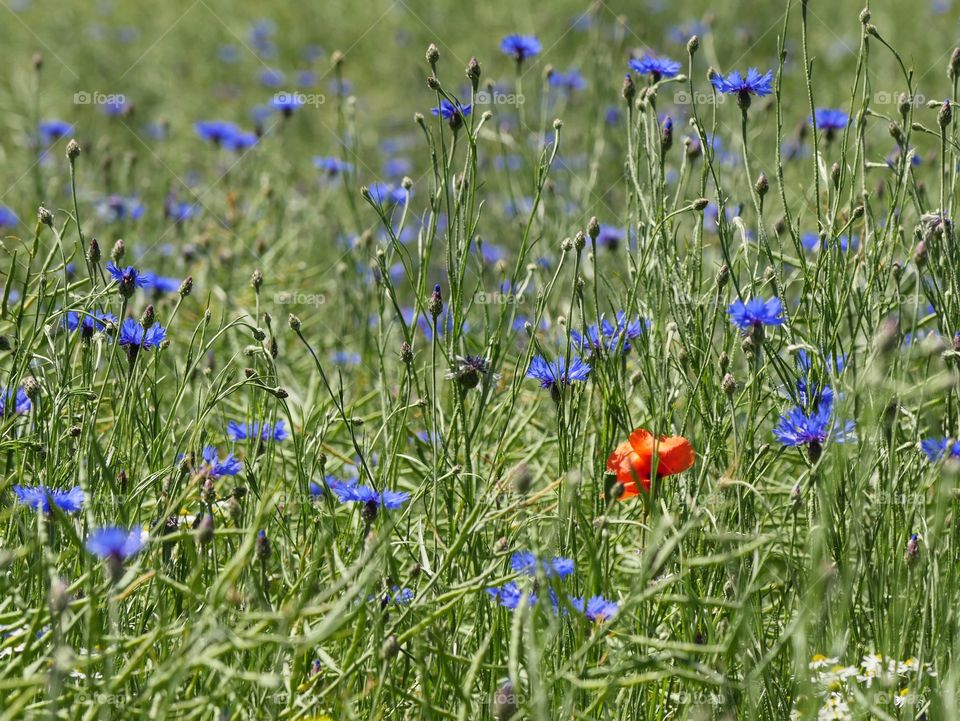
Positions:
{"x": 657, "y": 67}
{"x": 384, "y": 194}
{"x": 14, "y": 401}
{"x": 756, "y": 312}
{"x": 569, "y": 81}
{"x": 240, "y": 141}
{"x": 115, "y": 208}
{"x": 557, "y": 372}
{"x": 8, "y": 219}
{"x": 743, "y": 87}
{"x": 455, "y": 113}
{"x": 521, "y": 47}
{"x": 135, "y": 337}
{"x": 271, "y": 78}
{"x": 351, "y": 492}
{"x": 229, "y": 466}
{"x": 53, "y": 130}
{"x": 812, "y": 427}
{"x": 829, "y": 120}
{"x": 611, "y": 236}
{"x": 129, "y": 278}
{"x": 596, "y": 608}
{"x": 114, "y": 543}
{"x": 286, "y": 103}
{"x": 938, "y": 448}
{"x": 332, "y": 166}
{"x": 509, "y": 595}
{"x": 216, "y": 131}
{"x": 238, "y": 432}
{"x": 88, "y": 322}
{"x": 40, "y": 497}
{"x": 160, "y": 283}
{"x": 526, "y": 562}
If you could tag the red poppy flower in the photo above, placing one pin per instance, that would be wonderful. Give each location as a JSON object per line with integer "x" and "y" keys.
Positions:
{"x": 632, "y": 460}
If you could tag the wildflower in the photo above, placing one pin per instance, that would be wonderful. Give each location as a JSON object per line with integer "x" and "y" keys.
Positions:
{"x": 525, "y": 562}
{"x": 470, "y": 370}
{"x": 43, "y": 498}
{"x": 215, "y": 468}
{"x": 128, "y": 279}
{"x": 812, "y": 427}
{"x": 286, "y": 103}
{"x": 596, "y": 608}
{"x": 521, "y": 47}
{"x": 756, "y": 312}
{"x": 568, "y": 82}
{"x": 912, "y": 552}
{"x": 453, "y": 113}
{"x": 510, "y": 595}
{"x": 136, "y": 338}
{"x": 14, "y": 401}
{"x": 656, "y": 67}
{"x": 217, "y": 132}
{"x": 115, "y": 545}
{"x": 560, "y": 372}
{"x": 115, "y": 208}
{"x": 8, "y": 219}
{"x": 743, "y": 87}
{"x": 937, "y": 448}
{"x": 332, "y": 166}
{"x": 829, "y": 120}
{"x": 834, "y": 707}
{"x": 632, "y": 460}
{"x": 351, "y": 492}
{"x": 238, "y": 432}
{"x": 52, "y": 130}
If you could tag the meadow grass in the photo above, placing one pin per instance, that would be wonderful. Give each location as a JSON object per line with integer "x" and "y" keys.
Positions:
{"x": 368, "y": 361}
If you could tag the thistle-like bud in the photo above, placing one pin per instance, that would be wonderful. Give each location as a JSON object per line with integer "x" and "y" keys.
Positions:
{"x": 435, "y": 302}
{"x": 865, "y": 16}
{"x": 45, "y": 216}
{"x": 390, "y": 648}
{"x": 148, "y": 318}
{"x": 118, "y": 251}
{"x": 953, "y": 69}
{"x": 205, "y": 529}
{"x": 666, "y": 134}
{"x": 433, "y": 54}
{"x": 256, "y": 279}
{"x": 912, "y": 554}
{"x": 723, "y": 275}
{"x": 920, "y": 253}
{"x": 762, "y": 185}
{"x": 945, "y": 116}
{"x": 432, "y": 82}
{"x": 699, "y": 204}
{"x": 521, "y": 478}
{"x": 724, "y": 361}
{"x": 629, "y": 90}
{"x": 263, "y": 546}
{"x": 579, "y": 240}
{"x": 93, "y": 251}
{"x": 294, "y": 323}
{"x": 473, "y": 73}
{"x": 835, "y": 175}
{"x": 593, "y": 228}
{"x": 406, "y": 353}
{"x": 186, "y": 287}
{"x": 73, "y": 150}
{"x": 729, "y": 384}
{"x": 693, "y": 44}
